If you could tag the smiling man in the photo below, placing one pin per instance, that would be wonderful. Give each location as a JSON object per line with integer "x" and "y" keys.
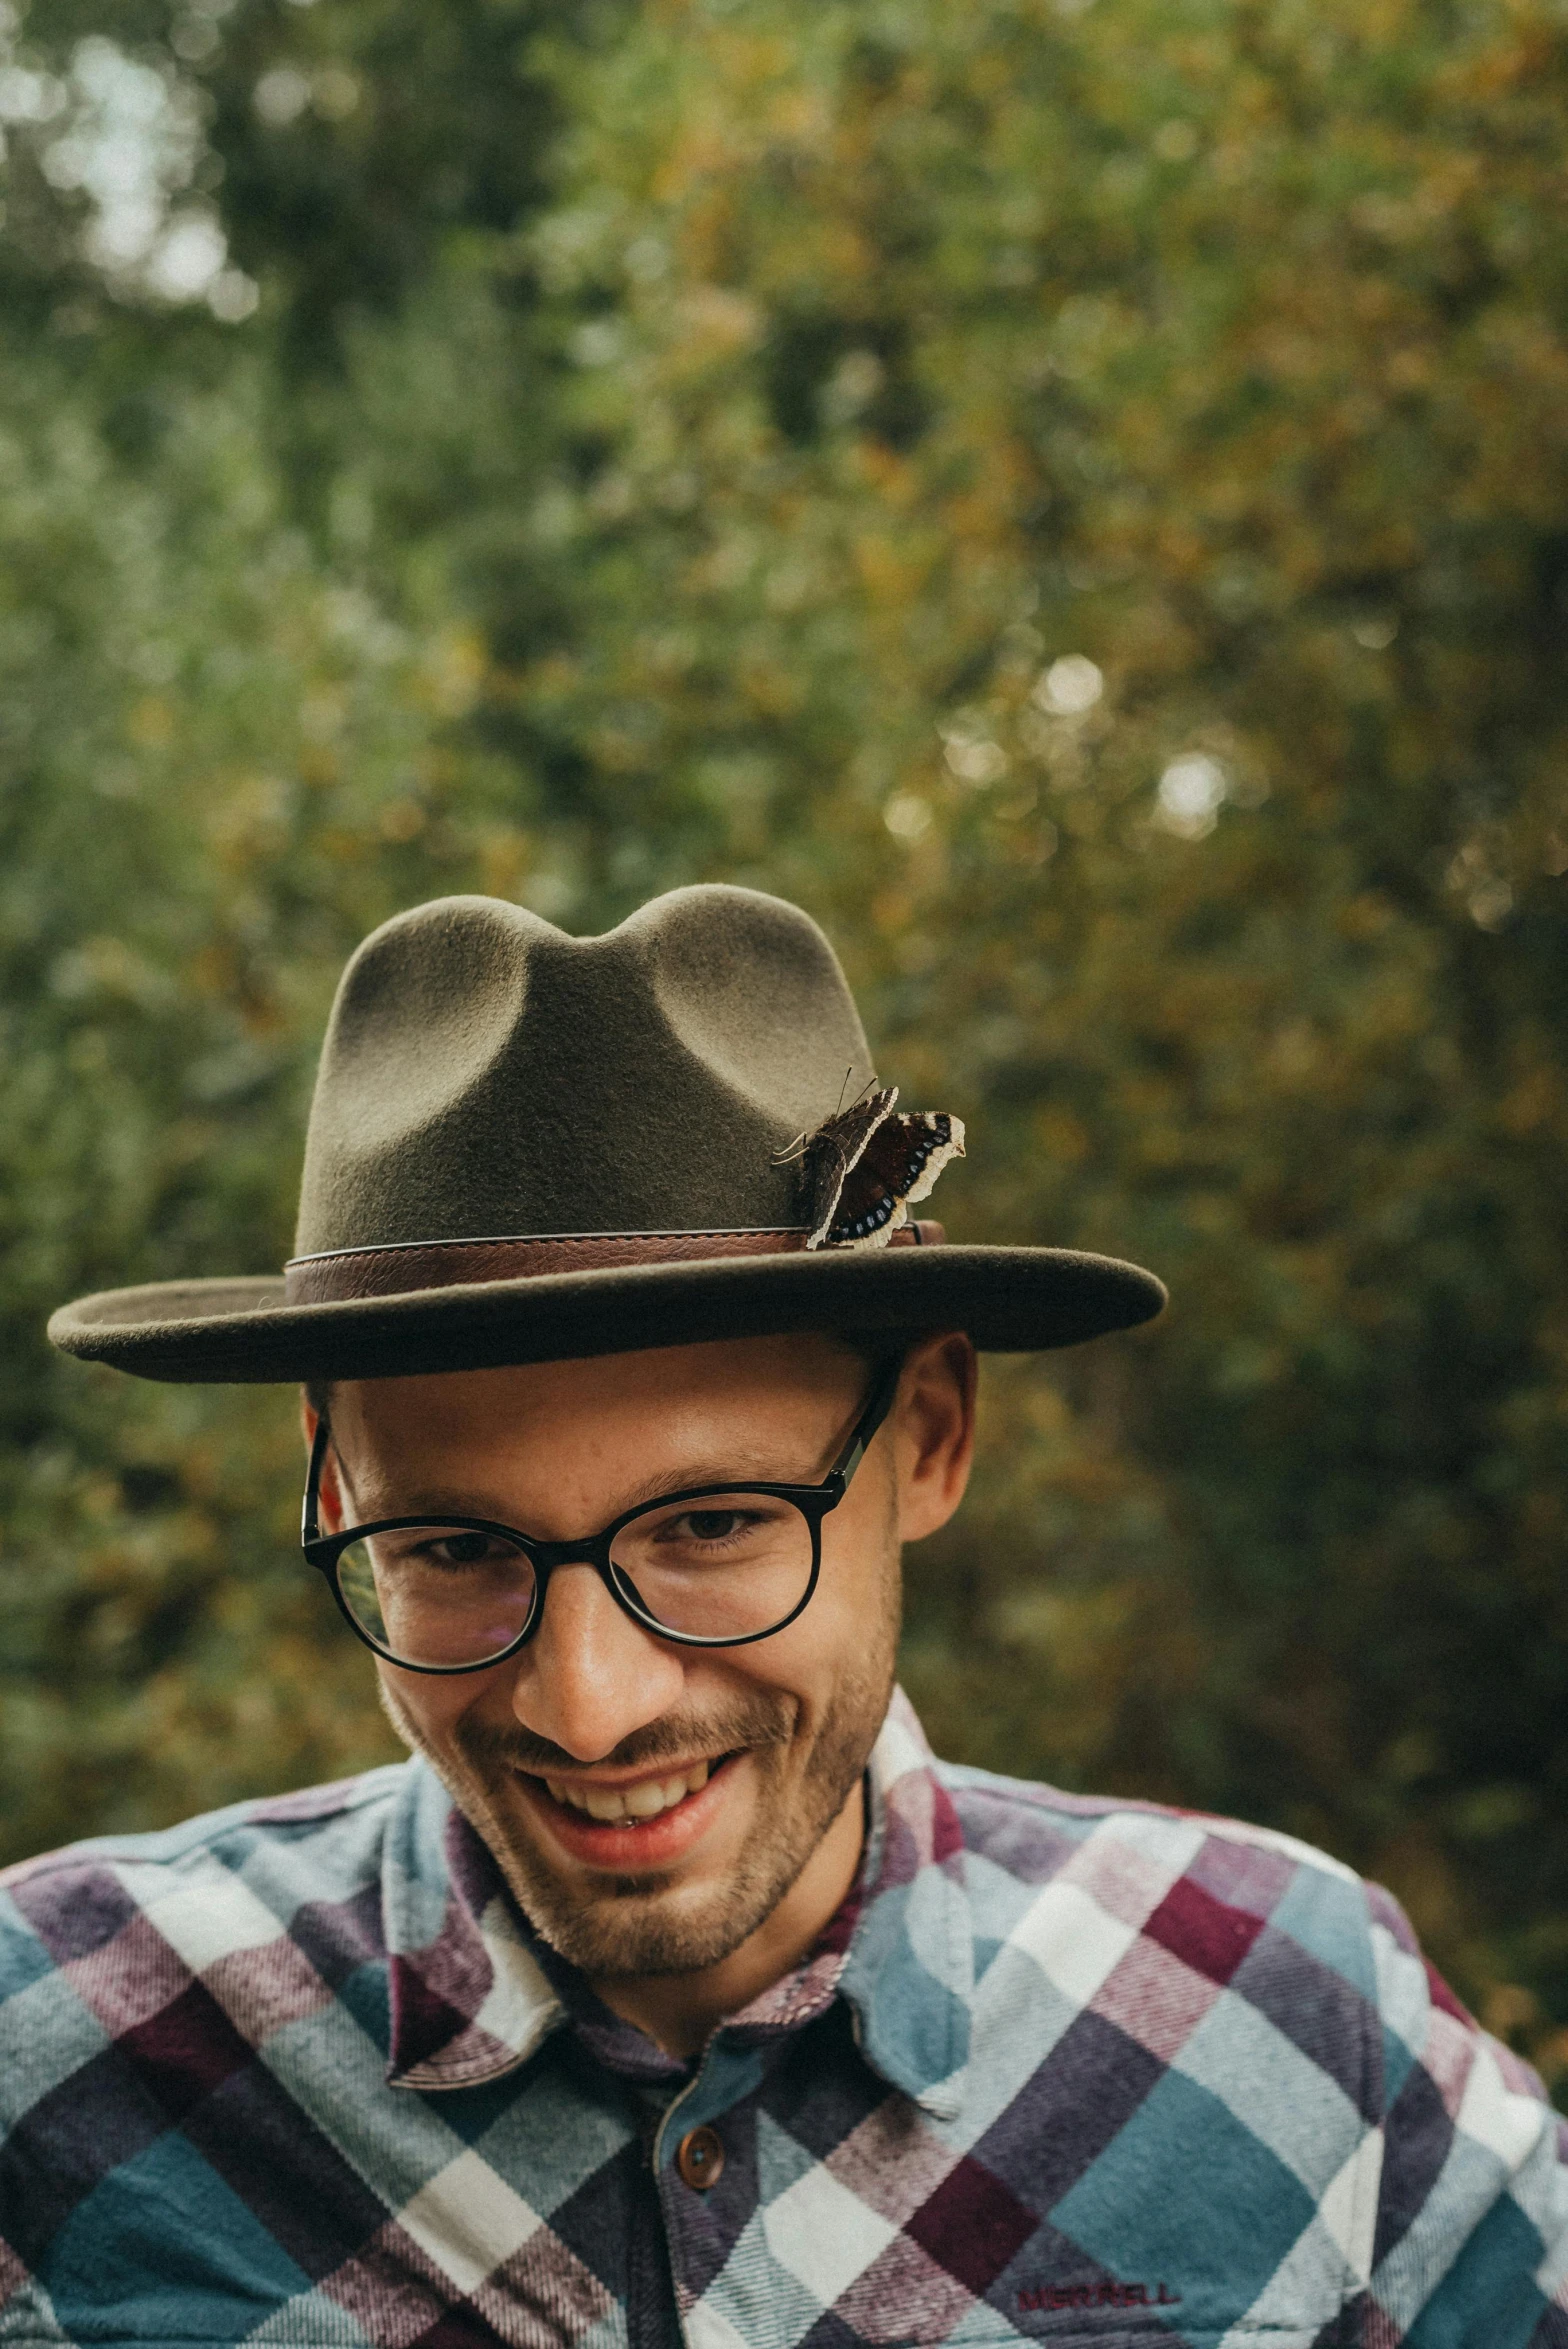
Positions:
{"x": 678, "y": 1820}
{"x": 672, "y": 1991}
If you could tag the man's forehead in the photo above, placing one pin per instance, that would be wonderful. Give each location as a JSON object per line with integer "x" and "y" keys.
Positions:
{"x": 725, "y": 1379}
{"x": 496, "y": 1442}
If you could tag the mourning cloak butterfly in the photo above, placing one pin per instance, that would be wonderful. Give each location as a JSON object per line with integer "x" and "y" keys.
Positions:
{"x": 865, "y": 1167}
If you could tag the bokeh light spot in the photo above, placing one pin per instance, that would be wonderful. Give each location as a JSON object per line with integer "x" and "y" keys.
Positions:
{"x": 1192, "y": 790}
{"x": 1070, "y": 686}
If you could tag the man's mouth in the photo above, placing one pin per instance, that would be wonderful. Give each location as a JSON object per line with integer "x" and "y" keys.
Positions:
{"x": 643, "y": 1823}
{"x": 627, "y": 1806}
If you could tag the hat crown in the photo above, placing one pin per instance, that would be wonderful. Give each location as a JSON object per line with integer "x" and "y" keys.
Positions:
{"x": 484, "y": 1074}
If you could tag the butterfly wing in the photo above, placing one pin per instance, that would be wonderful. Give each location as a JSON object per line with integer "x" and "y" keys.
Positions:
{"x": 835, "y": 1149}
{"x": 896, "y": 1163}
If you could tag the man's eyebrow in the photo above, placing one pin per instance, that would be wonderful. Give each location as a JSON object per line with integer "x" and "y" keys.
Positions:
{"x": 745, "y": 1467}
{"x": 734, "y": 1469}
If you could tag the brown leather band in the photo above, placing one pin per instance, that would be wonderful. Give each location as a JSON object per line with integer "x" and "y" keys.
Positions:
{"x": 443, "y": 1264}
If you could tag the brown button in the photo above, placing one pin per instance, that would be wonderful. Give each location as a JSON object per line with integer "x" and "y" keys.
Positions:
{"x": 700, "y": 2158}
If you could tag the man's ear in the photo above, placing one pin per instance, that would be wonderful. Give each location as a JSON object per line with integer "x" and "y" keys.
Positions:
{"x": 934, "y": 1432}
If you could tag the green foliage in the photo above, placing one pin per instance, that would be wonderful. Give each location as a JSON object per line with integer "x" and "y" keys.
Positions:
{"x": 1077, "y": 498}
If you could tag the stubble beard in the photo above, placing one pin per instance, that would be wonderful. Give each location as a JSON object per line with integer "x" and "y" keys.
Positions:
{"x": 634, "y": 1926}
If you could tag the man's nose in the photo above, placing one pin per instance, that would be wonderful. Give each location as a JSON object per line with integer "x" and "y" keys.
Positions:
{"x": 590, "y": 1676}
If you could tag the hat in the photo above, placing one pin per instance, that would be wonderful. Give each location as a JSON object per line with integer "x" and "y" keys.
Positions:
{"x": 526, "y": 1146}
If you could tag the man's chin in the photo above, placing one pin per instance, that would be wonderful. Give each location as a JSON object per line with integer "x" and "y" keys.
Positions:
{"x": 671, "y": 1895}
{"x": 646, "y": 1936}
{"x": 615, "y": 1927}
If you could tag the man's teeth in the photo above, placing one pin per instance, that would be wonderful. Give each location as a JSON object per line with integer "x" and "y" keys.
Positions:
{"x": 612, "y": 1804}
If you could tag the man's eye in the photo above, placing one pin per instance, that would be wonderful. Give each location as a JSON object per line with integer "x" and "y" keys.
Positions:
{"x": 458, "y": 1549}
{"x": 710, "y": 1525}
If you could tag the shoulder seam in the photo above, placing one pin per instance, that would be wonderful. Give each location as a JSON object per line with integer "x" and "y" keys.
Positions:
{"x": 360, "y": 1793}
{"x": 959, "y": 1778}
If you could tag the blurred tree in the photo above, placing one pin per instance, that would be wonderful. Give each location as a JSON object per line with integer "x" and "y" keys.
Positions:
{"x": 1078, "y": 497}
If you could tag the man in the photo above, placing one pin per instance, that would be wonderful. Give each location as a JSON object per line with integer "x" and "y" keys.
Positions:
{"x": 672, "y": 1991}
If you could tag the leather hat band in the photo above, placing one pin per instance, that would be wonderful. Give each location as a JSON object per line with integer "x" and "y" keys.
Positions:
{"x": 444, "y": 1264}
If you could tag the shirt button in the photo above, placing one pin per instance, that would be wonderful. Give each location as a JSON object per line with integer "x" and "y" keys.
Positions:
{"x": 700, "y": 2158}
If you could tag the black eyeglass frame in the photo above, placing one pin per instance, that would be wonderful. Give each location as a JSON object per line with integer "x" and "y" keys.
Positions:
{"x": 814, "y": 1501}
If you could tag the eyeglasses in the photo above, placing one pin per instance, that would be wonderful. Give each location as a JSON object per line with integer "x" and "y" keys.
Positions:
{"x": 714, "y": 1566}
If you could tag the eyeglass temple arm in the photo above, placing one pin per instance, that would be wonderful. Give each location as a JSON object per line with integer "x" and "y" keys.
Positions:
{"x": 878, "y": 1404}
{"x": 310, "y": 1518}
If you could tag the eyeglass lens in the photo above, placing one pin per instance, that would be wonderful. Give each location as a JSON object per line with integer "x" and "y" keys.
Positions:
{"x": 726, "y": 1566}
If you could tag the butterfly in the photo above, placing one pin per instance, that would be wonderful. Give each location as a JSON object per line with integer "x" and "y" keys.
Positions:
{"x": 865, "y": 1167}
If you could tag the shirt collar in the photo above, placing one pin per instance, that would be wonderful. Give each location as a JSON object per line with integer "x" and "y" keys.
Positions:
{"x": 469, "y": 1999}
{"x": 908, "y": 1974}
{"x": 474, "y": 1994}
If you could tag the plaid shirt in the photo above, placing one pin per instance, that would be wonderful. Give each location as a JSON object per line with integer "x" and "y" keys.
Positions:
{"x": 1086, "y": 2072}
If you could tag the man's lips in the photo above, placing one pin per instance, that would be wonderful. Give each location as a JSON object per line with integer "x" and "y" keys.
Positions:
{"x": 629, "y": 1842}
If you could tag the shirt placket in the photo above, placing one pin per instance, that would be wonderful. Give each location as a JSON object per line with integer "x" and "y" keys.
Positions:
{"x": 702, "y": 2140}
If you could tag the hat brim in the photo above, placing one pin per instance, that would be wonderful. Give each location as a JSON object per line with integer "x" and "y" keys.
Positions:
{"x": 242, "y": 1332}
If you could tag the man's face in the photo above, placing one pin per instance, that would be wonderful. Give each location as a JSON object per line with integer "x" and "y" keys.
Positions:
{"x": 728, "y": 1767}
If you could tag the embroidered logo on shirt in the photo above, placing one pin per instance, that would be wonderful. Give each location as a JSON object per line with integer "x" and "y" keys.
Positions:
{"x": 1108, "y": 2293}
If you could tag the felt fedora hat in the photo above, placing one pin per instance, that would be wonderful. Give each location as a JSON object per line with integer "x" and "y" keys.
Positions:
{"x": 526, "y": 1146}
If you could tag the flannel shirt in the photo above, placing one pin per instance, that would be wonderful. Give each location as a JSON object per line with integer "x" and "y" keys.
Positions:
{"x": 1069, "y": 2070}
